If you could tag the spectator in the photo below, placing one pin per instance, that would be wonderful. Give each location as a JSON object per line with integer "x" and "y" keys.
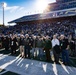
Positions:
{"x": 21, "y": 44}
{"x": 47, "y": 48}
{"x": 56, "y": 49}
{"x": 27, "y": 46}
{"x": 13, "y": 44}
{"x": 64, "y": 44}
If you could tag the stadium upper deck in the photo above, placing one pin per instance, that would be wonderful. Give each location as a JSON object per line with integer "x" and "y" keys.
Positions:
{"x": 62, "y": 4}
{"x": 61, "y": 8}
{"x": 64, "y": 0}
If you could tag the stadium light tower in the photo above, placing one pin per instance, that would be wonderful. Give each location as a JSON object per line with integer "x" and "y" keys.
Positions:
{"x": 3, "y": 6}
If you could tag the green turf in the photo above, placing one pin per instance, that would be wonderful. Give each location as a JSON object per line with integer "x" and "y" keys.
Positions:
{"x": 73, "y": 62}
{"x": 2, "y": 51}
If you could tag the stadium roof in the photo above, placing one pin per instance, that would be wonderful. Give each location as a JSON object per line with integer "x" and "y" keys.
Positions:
{"x": 49, "y": 15}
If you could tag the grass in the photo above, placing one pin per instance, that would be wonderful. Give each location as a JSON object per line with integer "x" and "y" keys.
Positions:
{"x": 74, "y": 60}
{"x": 8, "y": 52}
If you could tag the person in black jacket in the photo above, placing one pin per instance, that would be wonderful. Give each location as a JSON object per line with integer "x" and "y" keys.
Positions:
{"x": 47, "y": 48}
{"x": 2, "y": 40}
{"x": 21, "y": 44}
{"x": 64, "y": 45}
{"x": 27, "y": 46}
{"x": 72, "y": 45}
{"x": 6, "y": 43}
{"x": 13, "y": 44}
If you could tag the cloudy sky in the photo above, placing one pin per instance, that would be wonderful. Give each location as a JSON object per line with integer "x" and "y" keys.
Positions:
{"x": 18, "y": 8}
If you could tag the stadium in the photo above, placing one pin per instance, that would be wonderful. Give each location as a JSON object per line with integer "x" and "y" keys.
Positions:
{"x": 59, "y": 11}
{"x": 49, "y": 37}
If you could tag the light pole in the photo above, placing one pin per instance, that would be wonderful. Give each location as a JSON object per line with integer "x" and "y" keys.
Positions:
{"x": 3, "y": 6}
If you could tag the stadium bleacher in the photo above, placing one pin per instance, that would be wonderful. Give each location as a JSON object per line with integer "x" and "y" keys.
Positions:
{"x": 62, "y": 4}
{"x": 61, "y": 11}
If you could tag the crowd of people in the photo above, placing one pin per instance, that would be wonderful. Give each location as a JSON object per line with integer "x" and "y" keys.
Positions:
{"x": 40, "y": 39}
